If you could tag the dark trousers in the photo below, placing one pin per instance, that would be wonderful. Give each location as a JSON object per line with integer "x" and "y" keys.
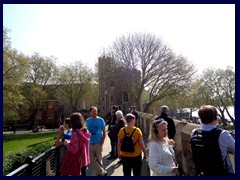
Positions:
{"x": 113, "y": 148}
{"x": 132, "y": 164}
{"x": 84, "y": 171}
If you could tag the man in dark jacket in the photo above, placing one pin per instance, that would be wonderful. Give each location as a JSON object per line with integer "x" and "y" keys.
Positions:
{"x": 171, "y": 125}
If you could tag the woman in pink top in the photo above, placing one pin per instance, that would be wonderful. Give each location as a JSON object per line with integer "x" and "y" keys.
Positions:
{"x": 77, "y": 148}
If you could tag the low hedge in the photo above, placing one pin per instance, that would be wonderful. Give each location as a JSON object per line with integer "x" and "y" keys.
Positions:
{"x": 12, "y": 161}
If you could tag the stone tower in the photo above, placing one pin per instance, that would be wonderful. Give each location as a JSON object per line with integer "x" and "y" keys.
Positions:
{"x": 115, "y": 85}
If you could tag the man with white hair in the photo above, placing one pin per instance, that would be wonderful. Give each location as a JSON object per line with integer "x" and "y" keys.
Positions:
{"x": 171, "y": 125}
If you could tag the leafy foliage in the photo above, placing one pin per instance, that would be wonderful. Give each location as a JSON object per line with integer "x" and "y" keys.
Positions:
{"x": 75, "y": 80}
{"x": 14, "y": 69}
{"x": 17, "y": 147}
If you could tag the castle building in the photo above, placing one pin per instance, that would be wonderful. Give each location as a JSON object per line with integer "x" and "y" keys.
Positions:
{"x": 116, "y": 85}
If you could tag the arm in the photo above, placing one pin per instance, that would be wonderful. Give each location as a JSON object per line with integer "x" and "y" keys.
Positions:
{"x": 141, "y": 144}
{"x": 226, "y": 143}
{"x": 58, "y": 142}
{"x": 103, "y": 136}
{"x": 119, "y": 147}
{"x": 171, "y": 129}
{"x": 73, "y": 145}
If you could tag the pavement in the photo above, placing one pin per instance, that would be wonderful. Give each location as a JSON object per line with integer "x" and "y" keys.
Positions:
{"x": 111, "y": 166}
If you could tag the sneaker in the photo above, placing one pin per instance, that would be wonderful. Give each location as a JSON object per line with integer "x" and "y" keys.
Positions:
{"x": 120, "y": 161}
{"x": 105, "y": 174}
{"x": 111, "y": 157}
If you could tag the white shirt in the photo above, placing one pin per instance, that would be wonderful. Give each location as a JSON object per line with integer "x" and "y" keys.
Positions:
{"x": 161, "y": 159}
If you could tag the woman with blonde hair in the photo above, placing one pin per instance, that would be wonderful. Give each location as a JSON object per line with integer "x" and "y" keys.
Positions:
{"x": 161, "y": 153}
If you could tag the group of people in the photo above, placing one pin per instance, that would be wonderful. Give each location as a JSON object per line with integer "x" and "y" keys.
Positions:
{"x": 84, "y": 142}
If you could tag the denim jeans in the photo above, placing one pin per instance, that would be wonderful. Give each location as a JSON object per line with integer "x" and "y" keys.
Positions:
{"x": 113, "y": 148}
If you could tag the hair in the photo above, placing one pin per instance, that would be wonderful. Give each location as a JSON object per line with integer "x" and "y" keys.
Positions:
{"x": 77, "y": 121}
{"x": 119, "y": 112}
{"x": 207, "y": 114}
{"x": 129, "y": 117}
{"x": 164, "y": 109}
{"x": 155, "y": 125}
{"x": 67, "y": 121}
{"x": 92, "y": 107}
{"x": 115, "y": 108}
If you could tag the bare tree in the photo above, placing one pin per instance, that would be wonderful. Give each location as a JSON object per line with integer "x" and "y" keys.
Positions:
{"x": 162, "y": 72}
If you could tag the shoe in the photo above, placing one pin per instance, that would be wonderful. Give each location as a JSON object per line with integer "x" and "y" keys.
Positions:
{"x": 110, "y": 157}
{"x": 105, "y": 174}
{"x": 120, "y": 161}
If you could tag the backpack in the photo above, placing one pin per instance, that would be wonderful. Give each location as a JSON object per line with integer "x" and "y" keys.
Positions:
{"x": 206, "y": 153}
{"x": 113, "y": 132}
{"x": 127, "y": 142}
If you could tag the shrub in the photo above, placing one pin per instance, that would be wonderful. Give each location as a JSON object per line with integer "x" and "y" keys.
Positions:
{"x": 12, "y": 161}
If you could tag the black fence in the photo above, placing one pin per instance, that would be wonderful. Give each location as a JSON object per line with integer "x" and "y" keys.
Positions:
{"x": 46, "y": 164}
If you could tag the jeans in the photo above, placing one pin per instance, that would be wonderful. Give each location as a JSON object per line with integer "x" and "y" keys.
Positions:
{"x": 114, "y": 148}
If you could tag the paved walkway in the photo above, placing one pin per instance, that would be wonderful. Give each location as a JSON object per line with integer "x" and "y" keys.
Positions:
{"x": 111, "y": 166}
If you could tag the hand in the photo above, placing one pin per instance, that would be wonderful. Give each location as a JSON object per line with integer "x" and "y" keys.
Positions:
{"x": 175, "y": 169}
{"x": 61, "y": 130}
{"x": 119, "y": 156}
{"x": 101, "y": 143}
{"x": 145, "y": 157}
{"x": 171, "y": 142}
{"x": 66, "y": 141}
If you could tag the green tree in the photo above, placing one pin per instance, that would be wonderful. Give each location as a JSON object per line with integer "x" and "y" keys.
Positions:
{"x": 218, "y": 87}
{"x": 75, "y": 80}
{"x": 39, "y": 77}
{"x": 14, "y": 70}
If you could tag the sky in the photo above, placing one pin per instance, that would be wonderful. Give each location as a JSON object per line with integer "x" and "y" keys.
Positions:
{"x": 203, "y": 33}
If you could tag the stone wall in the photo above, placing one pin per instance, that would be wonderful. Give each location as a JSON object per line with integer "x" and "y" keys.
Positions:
{"x": 182, "y": 138}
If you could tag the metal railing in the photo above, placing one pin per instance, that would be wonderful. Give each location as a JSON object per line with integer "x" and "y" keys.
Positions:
{"x": 46, "y": 164}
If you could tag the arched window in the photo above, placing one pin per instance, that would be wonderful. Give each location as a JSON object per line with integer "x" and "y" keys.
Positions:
{"x": 112, "y": 84}
{"x": 125, "y": 96}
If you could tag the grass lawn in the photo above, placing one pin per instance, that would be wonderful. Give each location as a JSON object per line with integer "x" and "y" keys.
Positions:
{"x": 19, "y": 146}
{"x": 16, "y": 143}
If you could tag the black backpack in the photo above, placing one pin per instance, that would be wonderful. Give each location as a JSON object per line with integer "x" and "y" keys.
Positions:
{"x": 127, "y": 142}
{"x": 113, "y": 132}
{"x": 206, "y": 153}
